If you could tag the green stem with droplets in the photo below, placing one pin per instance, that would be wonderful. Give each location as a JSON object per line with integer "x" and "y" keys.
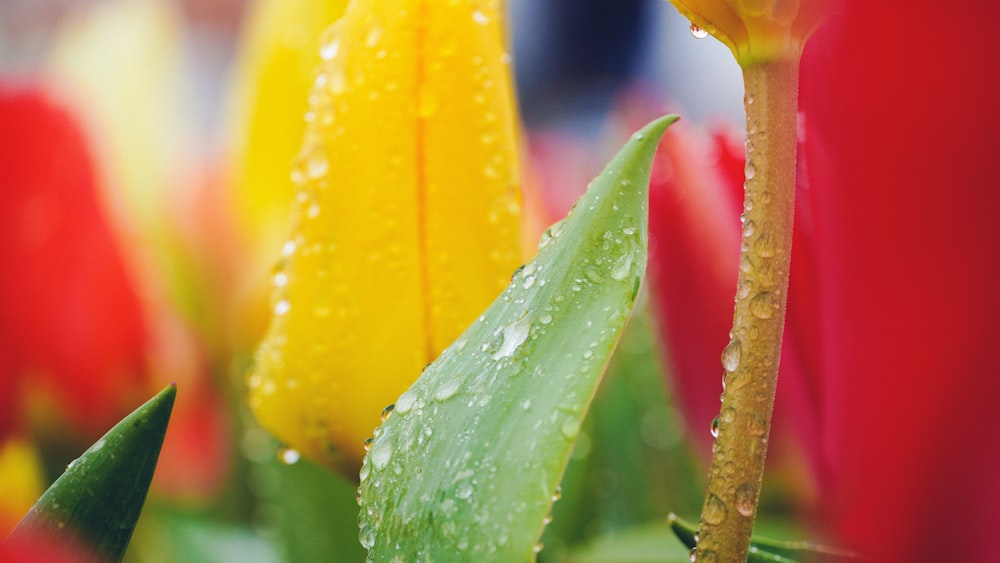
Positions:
{"x": 751, "y": 359}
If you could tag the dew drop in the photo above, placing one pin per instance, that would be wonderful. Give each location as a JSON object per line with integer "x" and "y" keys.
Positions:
{"x": 480, "y": 18}
{"x": 447, "y": 389}
{"x": 545, "y": 319}
{"x": 387, "y": 412}
{"x": 698, "y": 33}
{"x": 367, "y": 537}
{"x": 289, "y": 456}
{"x": 513, "y": 336}
{"x": 715, "y": 510}
{"x": 729, "y": 414}
{"x": 761, "y": 305}
{"x": 749, "y": 170}
{"x": 745, "y": 499}
{"x": 538, "y": 547}
{"x": 693, "y": 554}
{"x": 282, "y": 308}
{"x": 743, "y": 289}
{"x": 715, "y": 427}
{"x": 557, "y": 494}
{"x": 764, "y": 246}
{"x": 280, "y": 279}
{"x": 593, "y": 275}
{"x": 621, "y": 268}
{"x": 571, "y": 427}
{"x": 330, "y": 49}
{"x": 380, "y": 454}
{"x": 368, "y": 443}
{"x": 317, "y": 165}
{"x": 731, "y": 355}
{"x": 748, "y": 229}
{"x": 405, "y": 402}
{"x": 464, "y": 490}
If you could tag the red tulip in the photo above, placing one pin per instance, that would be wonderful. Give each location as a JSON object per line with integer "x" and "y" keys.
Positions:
{"x": 901, "y": 153}
{"x": 71, "y": 325}
{"x": 893, "y": 305}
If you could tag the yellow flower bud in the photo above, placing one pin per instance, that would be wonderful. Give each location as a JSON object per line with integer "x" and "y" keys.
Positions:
{"x": 757, "y": 30}
{"x": 406, "y": 220}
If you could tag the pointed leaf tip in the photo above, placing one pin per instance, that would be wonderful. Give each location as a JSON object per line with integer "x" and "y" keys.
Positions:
{"x": 95, "y": 504}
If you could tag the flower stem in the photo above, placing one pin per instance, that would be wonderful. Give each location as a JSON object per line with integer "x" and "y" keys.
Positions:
{"x": 751, "y": 358}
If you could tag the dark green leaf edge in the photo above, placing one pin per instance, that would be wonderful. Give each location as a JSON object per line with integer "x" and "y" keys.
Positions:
{"x": 97, "y": 500}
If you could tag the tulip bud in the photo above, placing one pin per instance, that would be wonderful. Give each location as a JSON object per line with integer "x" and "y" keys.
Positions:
{"x": 406, "y": 220}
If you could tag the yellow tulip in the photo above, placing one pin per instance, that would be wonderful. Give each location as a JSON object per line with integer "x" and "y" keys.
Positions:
{"x": 757, "y": 30}
{"x": 406, "y": 220}
{"x": 20, "y": 481}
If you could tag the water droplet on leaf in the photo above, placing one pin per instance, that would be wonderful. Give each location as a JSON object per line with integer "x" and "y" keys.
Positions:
{"x": 698, "y": 33}
{"x": 447, "y": 389}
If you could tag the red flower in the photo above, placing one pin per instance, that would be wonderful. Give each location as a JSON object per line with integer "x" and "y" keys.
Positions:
{"x": 71, "y": 325}
{"x": 894, "y": 302}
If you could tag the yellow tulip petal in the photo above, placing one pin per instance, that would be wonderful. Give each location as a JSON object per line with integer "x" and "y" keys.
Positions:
{"x": 757, "y": 30}
{"x": 407, "y": 218}
{"x": 269, "y": 98}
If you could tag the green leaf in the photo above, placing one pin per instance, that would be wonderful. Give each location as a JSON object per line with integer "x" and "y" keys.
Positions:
{"x": 767, "y": 550}
{"x": 97, "y": 500}
{"x": 650, "y": 543}
{"x": 469, "y": 462}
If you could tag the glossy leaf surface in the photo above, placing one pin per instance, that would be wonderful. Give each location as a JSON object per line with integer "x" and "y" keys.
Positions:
{"x": 468, "y": 462}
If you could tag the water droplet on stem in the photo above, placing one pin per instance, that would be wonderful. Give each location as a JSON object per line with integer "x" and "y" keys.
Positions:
{"x": 731, "y": 355}
{"x": 715, "y": 510}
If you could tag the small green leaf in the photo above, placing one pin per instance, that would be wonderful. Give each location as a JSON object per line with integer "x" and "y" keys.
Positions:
{"x": 469, "y": 462}
{"x": 767, "y": 550}
{"x": 97, "y": 501}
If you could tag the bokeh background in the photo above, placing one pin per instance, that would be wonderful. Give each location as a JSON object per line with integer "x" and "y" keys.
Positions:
{"x": 143, "y": 218}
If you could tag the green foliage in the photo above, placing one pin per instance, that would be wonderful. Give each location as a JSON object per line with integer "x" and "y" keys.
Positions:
{"x": 97, "y": 501}
{"x": 469, "y": 462}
